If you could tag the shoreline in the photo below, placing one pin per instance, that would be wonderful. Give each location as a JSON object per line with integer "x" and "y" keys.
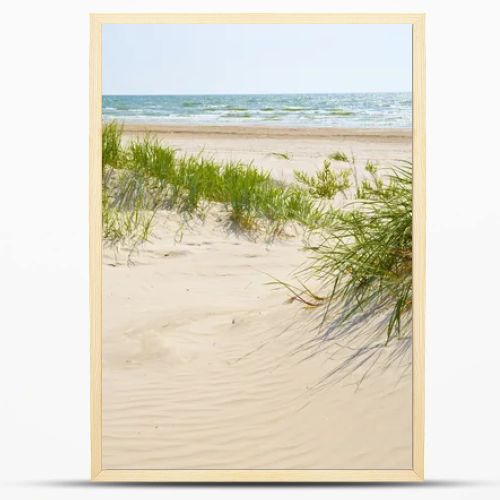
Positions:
{"x": 268, "y": 131}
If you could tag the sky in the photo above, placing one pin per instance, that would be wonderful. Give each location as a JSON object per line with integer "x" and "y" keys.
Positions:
{"x": 255, "y": 58}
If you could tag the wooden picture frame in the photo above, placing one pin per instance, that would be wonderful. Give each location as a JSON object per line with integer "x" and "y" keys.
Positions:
{"x": 416, "y": 473}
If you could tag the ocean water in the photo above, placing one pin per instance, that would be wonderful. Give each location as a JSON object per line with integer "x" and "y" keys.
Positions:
{"x": 367, "y": 110}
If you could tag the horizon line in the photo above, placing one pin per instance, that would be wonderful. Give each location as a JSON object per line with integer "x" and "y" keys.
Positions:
{"x": 259, "y": 93}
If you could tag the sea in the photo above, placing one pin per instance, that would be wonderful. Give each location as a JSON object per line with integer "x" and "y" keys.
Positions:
{"x": 350, "y": 110}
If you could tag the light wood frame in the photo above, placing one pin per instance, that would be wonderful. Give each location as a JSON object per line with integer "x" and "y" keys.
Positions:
{"x": 339, "y": 475}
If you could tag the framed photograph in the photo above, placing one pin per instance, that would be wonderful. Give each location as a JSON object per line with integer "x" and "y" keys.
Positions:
{"x": 257, "y": 247}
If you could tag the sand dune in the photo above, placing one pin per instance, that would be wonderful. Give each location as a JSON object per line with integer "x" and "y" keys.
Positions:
{"x": 202, "y": 359}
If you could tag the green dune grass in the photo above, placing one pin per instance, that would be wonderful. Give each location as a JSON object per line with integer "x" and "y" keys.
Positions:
{"x": 147, "y": 176}
{"x": 362, "y": 258}
{"x": 326, "y": 183}
{"x": 282, "y": 156}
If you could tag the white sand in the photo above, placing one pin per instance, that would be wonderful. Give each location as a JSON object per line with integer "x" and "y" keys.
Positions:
{"x": 202, "y": 366}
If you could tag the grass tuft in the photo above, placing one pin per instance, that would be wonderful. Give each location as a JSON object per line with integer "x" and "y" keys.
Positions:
{"x": 339, "y": 156}
{"x": 326, "y": 183}
{"x": 364, "y": 255}
{"x": 111, "y": 139}
{"x": 283, "y": 156}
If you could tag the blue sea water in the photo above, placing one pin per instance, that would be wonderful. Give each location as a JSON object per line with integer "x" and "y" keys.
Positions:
{"x": 364, "y": 110}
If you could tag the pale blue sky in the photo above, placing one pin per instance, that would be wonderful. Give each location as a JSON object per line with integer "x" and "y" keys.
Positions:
{"x": 250, "y": 58}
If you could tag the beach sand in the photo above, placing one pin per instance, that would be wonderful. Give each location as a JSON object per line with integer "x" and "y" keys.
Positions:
{"x": 203, "y": 364}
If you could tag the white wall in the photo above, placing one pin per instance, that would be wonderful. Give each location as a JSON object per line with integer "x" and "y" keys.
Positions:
{"x": 44, "y": 449}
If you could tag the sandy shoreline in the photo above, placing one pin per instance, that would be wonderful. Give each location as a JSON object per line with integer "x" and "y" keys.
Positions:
{"x": 267, "y": 131}
{"x": 202, "y": 359}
